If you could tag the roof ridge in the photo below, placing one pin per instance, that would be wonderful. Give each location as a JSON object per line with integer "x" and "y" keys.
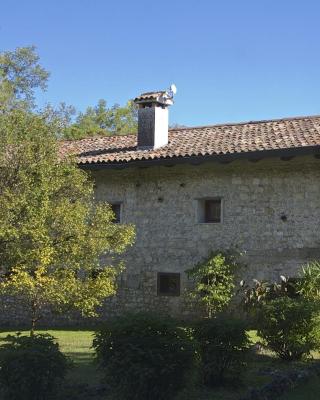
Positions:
{"x": 200, "y": 127}
{"x": 97, "y": 137}
{"x": 247, "y": 122}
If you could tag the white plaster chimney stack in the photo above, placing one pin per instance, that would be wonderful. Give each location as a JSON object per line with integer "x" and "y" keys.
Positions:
{"x": 153, "y": 119}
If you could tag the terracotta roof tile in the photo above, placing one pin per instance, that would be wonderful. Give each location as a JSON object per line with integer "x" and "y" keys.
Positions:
{"x": 150, "y": 95}
{"x": 234, "y": 139}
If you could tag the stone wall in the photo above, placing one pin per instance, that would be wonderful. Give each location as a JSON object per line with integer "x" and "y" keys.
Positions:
{"x": 162, "y": 203}
{"x": 271, "y": 211}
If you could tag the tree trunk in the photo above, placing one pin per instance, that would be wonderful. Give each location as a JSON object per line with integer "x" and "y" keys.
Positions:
{"x": 33, "y": 326}
{"x": 34, "y": 317}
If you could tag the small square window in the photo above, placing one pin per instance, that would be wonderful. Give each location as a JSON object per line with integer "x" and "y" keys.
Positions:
{"x": 116, "y": 208}
{"x": 212, "y": 212}
{"x": 168, "y": 284}
{"x": 209, "y": 211}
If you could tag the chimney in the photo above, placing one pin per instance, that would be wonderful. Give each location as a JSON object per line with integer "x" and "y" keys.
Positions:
{"x": 153, "y": 118}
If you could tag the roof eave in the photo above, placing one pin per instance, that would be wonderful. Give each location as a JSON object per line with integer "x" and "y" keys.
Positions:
{"x": 222, "y": 158}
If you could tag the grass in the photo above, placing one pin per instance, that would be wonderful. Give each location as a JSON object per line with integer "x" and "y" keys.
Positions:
{"x": 77, "y": 345}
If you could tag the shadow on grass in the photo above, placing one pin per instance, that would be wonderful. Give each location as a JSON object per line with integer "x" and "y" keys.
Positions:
{"x": 85, "y": 369}
{"x": 308, "y": 391}
{"x": 260, "y": 370}
{"x": 81, "y": 358}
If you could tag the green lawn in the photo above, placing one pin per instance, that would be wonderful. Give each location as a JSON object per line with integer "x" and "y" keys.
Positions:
{"x": 77, "y": 345}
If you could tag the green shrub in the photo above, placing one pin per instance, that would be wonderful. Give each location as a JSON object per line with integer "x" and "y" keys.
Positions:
{"x": 31, "y": 367}
{"x": 223, "y": 345}
{"x": 145, "y": 357}
{"x": 214, "y": 281}
{"x": 263, "y": 291}
{"x": 289, "y": 326}
{"x": 310, "y": 281}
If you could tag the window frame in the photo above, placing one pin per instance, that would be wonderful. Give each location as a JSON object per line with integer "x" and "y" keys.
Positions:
{"x": 201, "y": 210}
{"x": 120, "y": 204}
{"x": 175, "y": 274}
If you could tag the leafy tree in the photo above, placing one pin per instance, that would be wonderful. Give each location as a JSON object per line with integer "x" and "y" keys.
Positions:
{"x": 60, "y": 118}
{"x": 90, "y": 123}
{"x": 123, "y": 120}
{"x": 20, "y": 75}
{"x": 52, "y": 234}
{"x": 101, "y": 120}
{"x": 214, "y": 282}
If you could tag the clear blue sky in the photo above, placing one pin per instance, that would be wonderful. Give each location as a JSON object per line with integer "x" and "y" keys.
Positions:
{"x": 230, "y": 60}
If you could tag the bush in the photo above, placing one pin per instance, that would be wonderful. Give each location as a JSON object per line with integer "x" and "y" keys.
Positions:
{"x": 214, "y": 281}
{"x": 31, "y": 367}
{"x": 289, "y": 326}
{"x": 145, "y": 357}
{"x": 310, "y": 281}
{"x": 223, "y": 345}
{"x": 263, "y": 291}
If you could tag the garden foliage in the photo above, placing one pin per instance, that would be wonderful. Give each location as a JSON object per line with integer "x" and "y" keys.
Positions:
{"x": 286, "y": 313}
{"x": 145, "y": 357}
{"x": 214, "y": 282}
{"x": 310, "y": 281}
{"x": 53, "y": 233}
{"x": 31, "y": 367}
{"x": 223, "y": 344}
{"x": 290, "y": 327}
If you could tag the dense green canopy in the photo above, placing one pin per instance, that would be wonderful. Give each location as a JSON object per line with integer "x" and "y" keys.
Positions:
{"x": 52, "y": 234}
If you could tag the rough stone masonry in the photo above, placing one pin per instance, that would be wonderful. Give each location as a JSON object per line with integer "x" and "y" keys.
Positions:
{"x": 253, "y": 187}
{"x": 270, "y": 211}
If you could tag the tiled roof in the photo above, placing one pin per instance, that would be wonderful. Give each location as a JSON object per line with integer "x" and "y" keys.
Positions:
{"x": 150, "y": 95}
{"x": 161, "y": 97}
{"x": 216, "y": 140}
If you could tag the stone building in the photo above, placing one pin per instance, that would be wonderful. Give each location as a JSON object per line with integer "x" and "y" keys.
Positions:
{"x": 253, "y": 186}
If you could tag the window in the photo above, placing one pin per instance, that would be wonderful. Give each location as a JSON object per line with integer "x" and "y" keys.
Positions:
{"x": 116, "y": 208}
{"x": 209, "y": 211}
{"x": 168, "y": 284}
{"x": 212, "y": 212}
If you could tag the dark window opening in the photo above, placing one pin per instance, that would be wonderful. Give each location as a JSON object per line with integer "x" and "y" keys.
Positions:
{"x": 168, "y": 284}
{"x": 212, "y": 210}
{"x": 116, "y": 208}
{"x": 96, "y": 272}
